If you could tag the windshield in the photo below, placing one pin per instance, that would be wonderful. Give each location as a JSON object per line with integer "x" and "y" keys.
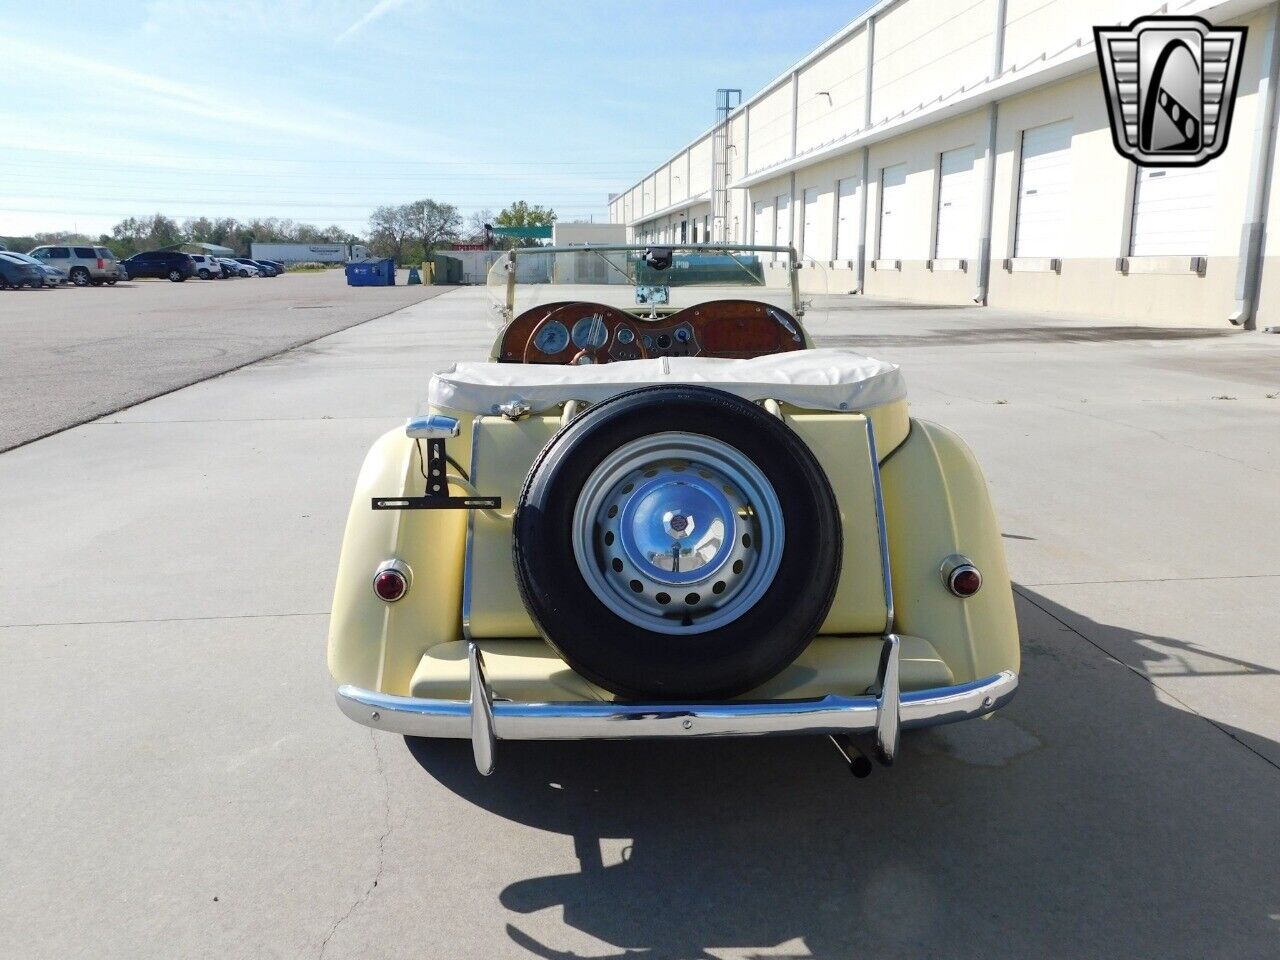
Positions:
{"x": 667, "y": 279}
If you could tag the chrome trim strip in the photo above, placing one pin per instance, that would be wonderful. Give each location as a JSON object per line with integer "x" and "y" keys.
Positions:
{"x": 471, "y": 531}
{"x": 595, "y": 720}
{"x": 886, "y": 573}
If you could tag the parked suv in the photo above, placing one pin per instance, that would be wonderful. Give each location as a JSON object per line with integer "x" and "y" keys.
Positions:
{"x": 163, "y": 264}
{"x": 207, "y": 268}
{"x": 81, "y": 265}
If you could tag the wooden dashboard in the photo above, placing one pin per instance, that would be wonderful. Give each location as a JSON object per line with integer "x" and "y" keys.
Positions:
{"x": 583, "y": 332}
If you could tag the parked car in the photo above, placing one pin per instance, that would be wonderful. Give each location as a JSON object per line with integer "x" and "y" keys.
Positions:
{"x": 229, "y": 267}
{"x": 52, "y": 276}
{"x": 161, "y": 264}
{"x": 280, "y": 267}
{"x": 207, "y": 268}
{"x": 82, "y": 265}
{"x": 253, "y": 269}
{"x": 268, "y": 268}
{"x": 16, "y": 274}
{"x": 685, "y": 524}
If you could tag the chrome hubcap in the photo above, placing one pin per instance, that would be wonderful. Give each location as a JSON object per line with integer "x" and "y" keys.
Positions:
{"x": 678, "y": 533}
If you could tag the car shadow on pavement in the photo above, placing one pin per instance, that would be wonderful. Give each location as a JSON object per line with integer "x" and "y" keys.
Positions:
{"x": 1087, "y": 819}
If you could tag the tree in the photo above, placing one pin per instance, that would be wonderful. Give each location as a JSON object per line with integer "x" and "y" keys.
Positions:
{"x": 389, "y": 229}
{"x": 59, "y": 237}
{"x": 522, "y": 214}
{"x": 474, "y": 231}
{"x": 144, "y": 233}
{"x": 432, "y": 223}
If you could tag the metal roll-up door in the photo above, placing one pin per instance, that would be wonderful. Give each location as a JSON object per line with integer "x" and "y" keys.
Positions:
{"x": 893, "y": 213}
{"x": 1044, "y": 190}
{"x": 957, "y": 235}
{"x": 847, "y": 218}
{"x": 763, "y": 235}
{"x": 1173, "y": 211}
{"x": 782, "y": 223}
{"x": 816, "y": 239}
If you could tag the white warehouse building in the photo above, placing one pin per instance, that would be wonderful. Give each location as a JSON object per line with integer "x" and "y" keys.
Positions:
{"x": 960, "y": 150}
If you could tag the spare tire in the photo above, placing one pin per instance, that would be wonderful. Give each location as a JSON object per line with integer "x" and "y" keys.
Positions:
{"x": 677, "y": 542}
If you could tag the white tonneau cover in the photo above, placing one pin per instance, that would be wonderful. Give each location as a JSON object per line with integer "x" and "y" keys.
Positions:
{"x": 810, "y": 379}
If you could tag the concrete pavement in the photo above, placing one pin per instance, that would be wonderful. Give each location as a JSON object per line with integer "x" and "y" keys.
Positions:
{"x": 77, "y": 353}
{"x": 178, "y": 781}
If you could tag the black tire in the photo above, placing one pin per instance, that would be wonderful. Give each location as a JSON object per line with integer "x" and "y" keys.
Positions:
{"x": 244, "y": 273}
{"x": 80, "y": 276}
{"x": 175, "y": 276}
{"x": 637, "y": 663}
{"x": 111, "y": 283}
{"x": 204, "y": 274}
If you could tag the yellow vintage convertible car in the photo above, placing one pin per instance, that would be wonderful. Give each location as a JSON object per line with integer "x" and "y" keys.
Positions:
{"x": 658, "y": 511}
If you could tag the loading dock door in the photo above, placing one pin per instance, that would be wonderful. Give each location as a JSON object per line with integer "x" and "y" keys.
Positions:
{"x": 782, "y": 223}
{"x": 1173, "y": 212}
{"x": 763, "y": 236}
{"x": 816, "y": 239}
{"x": 893, "y": 213}
{"x": 957, "y": 236}
{"x": 847, "y": 219}
{"x": 1044, "y": 190}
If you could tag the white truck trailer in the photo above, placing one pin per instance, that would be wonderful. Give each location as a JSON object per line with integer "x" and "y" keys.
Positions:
{"x": 310, "y": 252}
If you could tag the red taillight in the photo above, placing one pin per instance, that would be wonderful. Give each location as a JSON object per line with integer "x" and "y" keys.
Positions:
{"x": 391, "y": 581}
{"x": 961, "y": 577}
{"x": 101, "y": 263}
{"x": 966, "y": 581}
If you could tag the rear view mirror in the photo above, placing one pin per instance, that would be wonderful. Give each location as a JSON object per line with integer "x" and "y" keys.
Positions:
{"x": 659, "y": 258}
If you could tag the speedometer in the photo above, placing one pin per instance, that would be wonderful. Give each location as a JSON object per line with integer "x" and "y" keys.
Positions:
{"x": 590, "y": 332}
{"x": 552, "y": 338}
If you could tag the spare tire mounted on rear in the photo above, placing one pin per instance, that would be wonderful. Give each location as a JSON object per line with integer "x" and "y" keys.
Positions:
{"x": 677, "y": 543}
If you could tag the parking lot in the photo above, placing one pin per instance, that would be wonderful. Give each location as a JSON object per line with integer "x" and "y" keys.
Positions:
{"x": 179, "y": 783}
{"x": 75, "y": 353}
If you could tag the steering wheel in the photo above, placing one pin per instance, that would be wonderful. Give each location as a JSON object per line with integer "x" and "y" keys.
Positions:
{"x": 566, "y": 318}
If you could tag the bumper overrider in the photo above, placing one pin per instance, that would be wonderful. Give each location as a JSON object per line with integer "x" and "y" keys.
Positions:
{"x": 882, "y": 712}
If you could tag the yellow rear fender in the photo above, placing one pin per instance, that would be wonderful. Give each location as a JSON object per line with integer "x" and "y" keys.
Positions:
{"x": 374, "y": 644}
{"x": 936, "y": 505}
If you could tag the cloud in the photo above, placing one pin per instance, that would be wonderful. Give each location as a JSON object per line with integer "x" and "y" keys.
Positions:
{"x": 374, "y": 13}
{"x": 171, "y": 107}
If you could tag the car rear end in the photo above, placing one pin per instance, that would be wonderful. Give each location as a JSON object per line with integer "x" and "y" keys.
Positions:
{"x": 903, "y": 617}
{"x": 103, "y": 266}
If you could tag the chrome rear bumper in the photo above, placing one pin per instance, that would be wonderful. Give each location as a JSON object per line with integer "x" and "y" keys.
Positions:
{"x": 486, "y": 720}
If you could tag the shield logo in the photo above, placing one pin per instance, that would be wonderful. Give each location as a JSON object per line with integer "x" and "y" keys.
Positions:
{"x": 1171, "y": 88}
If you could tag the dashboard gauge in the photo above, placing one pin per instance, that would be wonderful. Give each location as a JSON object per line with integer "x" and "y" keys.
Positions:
{"x": 590, "y": 332}
{"x": 625, "y": 335}
{"x": 552, "y": 338}
{"x": 648, "y": 341}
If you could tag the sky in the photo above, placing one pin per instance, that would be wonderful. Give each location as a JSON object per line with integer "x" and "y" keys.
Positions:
{"x": 320, "y": 110}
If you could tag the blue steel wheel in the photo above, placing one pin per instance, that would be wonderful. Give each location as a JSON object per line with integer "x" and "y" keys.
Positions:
{"x": 677, "y": 542}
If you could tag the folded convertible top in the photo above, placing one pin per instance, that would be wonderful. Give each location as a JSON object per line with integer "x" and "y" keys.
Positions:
{"x": 811, "y": 379}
